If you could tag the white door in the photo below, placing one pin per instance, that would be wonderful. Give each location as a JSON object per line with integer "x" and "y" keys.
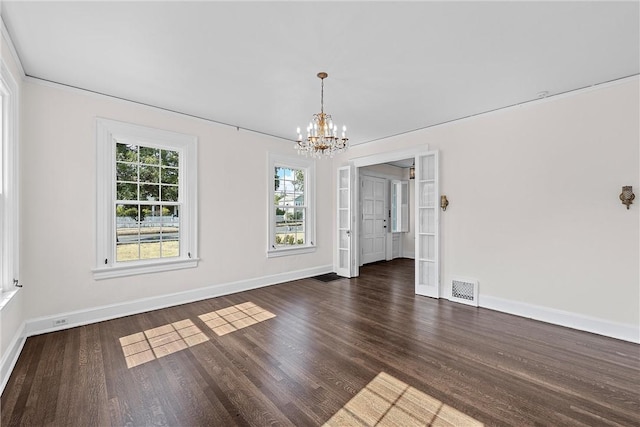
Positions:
{"x": 427, "y": 225}
{"x": 374, "y": 219}
{"x": 343, "y": 267}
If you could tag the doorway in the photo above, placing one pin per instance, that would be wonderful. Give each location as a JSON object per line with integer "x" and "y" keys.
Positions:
{"x": 425, "y": 216}
{"x": 360, "y": 167}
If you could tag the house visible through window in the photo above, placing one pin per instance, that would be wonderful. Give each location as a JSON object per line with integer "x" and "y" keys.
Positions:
{"x": 147, "y": 200}
{"x": 291, "y": 206}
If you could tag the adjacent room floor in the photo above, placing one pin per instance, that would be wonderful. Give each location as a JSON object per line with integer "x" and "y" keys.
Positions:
{"x": 364, "y": 351}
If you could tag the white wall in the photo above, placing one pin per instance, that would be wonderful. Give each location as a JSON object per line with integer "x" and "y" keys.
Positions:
{"x": 58, "y": 219}
{"x": 534, "y": 212}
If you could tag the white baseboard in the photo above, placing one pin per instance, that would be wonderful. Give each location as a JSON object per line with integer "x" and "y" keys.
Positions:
{"x": 407, "y": 254}
{"x": 45, "y": 324}
{"x": 625, "y": 332}
{"x": 10, "y": 358}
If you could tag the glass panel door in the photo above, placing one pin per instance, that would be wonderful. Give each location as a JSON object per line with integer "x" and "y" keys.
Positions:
{"x": 427, "y": 225}
{"x": 343, "y": 267}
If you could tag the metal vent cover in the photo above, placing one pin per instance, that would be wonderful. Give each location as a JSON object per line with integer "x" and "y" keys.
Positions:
{"x": 464, "y": 291}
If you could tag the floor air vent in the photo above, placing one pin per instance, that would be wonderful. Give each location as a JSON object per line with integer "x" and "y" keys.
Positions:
{"x": 464, "y": 291}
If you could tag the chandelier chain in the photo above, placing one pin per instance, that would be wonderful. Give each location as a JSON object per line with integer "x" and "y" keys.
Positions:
{"x": 322, "y": 96}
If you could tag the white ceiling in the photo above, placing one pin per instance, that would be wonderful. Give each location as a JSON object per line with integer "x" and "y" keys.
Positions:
{"x": 393, "y": 66}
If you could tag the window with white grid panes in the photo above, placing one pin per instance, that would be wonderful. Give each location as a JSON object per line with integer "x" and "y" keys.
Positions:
{"x": 291, "y": 215}
{"x": 290, "y": 206}
{"x": 147, "y": 197}
{"x": 147, "y": 206}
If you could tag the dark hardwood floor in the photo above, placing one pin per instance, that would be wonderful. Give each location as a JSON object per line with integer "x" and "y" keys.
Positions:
{"x": 347, "y": 352}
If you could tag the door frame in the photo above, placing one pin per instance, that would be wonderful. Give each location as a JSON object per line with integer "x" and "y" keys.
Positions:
{"x": 357, "y": 163}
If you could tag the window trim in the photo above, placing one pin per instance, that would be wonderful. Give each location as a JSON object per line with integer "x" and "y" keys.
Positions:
{"x": 9, "y": 203}
{"x": 106, "y": 265}
{"x": 309, "y": 165}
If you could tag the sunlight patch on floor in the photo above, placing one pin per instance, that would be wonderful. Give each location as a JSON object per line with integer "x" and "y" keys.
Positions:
{"x": 143, "y": 347}
{"x": 236, "y": 317}
{"x": 387, "y": 401}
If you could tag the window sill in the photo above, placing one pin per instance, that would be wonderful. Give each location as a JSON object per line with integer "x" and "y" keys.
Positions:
{"x": 5, "y": 297}
{"x": 143, "y": 268}
{"x": 274, "y": 253}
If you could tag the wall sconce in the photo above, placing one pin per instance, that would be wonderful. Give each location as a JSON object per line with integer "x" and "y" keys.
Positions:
{"x": 627, "y": 195}
{"x": 412, "y": 171}
{"x": 444, "y": 202}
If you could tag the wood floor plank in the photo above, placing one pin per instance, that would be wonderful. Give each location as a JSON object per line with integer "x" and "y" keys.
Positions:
{"x": 317, "y": 357}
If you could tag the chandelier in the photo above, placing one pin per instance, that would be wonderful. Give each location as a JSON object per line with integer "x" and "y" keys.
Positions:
{"x": 322, "y": 134}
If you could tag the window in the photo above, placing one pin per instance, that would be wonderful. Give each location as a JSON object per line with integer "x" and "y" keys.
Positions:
{"x": 147, "y": 202}
{"x": 146, "y": 219}
{"x": 8, "y": 182}
{"x": 291, "y": 206}
{"x": 399, "y": 206}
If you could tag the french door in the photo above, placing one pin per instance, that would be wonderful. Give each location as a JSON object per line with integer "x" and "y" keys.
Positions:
{"x": 427, "y": 210}
{"x": 343, "y": 267}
